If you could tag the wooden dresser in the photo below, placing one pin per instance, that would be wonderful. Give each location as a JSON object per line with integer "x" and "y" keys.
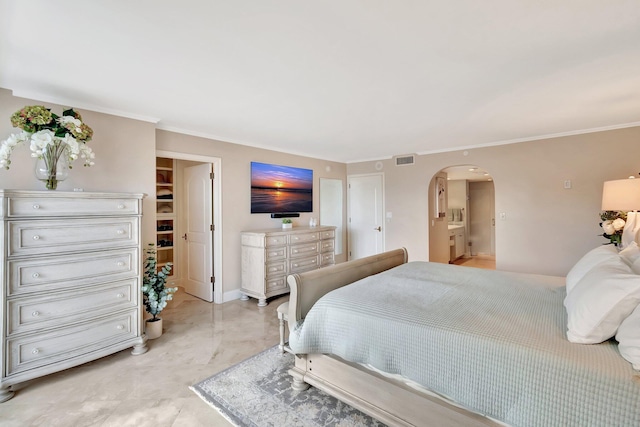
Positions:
{"x": 70, "y": 280}
{"x": 268, "y": 256}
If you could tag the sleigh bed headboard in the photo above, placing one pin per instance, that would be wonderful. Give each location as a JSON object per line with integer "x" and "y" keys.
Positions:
{"x": 307, "y": 288}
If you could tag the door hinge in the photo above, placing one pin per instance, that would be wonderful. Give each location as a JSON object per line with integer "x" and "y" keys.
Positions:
{"x": 213, "y": 279}
{"x": 211, "y": 175}
{"x": 212, "y": 227}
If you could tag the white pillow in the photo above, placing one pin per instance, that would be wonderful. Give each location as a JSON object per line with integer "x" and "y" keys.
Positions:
{"x": 588, "y": 261}
{"x": 631, "y": 253}
{"x": 628, "y": 337}
{"x": 600, "y": 301}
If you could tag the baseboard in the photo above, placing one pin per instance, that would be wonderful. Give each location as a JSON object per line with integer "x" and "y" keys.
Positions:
{"x": 231, "y": 295}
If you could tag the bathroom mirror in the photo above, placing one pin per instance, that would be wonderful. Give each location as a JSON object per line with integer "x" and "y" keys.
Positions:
{"x": 331, "y": 211}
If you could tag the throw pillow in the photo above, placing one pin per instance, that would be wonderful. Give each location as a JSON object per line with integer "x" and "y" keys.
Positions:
{"x": 588, "y": 261}
{"x": 600, "y": 301}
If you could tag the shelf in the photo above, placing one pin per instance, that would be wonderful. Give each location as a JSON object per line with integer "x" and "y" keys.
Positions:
{"x": 165, "y": 221}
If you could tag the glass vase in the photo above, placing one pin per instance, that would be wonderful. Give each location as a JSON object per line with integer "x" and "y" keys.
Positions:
{"x": 53, "y": 165}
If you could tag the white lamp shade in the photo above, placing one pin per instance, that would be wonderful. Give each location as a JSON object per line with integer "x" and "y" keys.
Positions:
{"x": 621, "y": 195}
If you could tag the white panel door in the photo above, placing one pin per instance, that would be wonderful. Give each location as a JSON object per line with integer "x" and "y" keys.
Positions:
{"x": 366, "y": 214}
{"x": 197, "y": 190}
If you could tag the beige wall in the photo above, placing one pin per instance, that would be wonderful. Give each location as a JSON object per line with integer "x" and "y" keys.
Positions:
{"x": 236, "y": 183}
{"x": 125, "y": 157}
{"x": 547, "y": 228}
{"x": 125, "y": 162}
{"x": 457, "y": 190}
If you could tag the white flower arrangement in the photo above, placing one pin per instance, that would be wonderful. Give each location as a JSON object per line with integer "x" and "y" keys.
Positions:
{"x": 50, "y": 135}
{"x": 612, "y": 224}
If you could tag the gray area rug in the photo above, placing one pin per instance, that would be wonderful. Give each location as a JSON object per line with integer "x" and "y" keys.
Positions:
{"x": 257, "y": 392}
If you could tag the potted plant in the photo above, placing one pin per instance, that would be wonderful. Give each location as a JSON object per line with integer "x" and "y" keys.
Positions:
{"x": 155, "y": 293}
{"x": 286, "y": 223}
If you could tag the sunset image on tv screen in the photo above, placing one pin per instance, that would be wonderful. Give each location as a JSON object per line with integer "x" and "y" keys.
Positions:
{"x": 276, "y": 188}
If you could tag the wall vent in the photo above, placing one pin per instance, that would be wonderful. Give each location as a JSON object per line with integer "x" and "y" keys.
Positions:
{"x": 405, "y": 160}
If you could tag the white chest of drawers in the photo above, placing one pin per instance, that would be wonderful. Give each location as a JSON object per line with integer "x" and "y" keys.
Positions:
{"x": 268, "y": 256}
{"x": 70, "y": 280}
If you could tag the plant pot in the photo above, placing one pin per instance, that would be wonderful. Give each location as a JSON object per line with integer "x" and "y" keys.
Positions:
{"x": 153, "y": 329}
{"x": 289, "y": 225}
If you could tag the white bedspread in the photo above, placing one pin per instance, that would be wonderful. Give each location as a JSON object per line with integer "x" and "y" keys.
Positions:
{"x": 492, "y": 341}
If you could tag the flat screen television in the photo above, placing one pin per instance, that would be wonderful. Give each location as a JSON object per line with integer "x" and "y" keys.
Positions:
{"x": 280, "y": 189}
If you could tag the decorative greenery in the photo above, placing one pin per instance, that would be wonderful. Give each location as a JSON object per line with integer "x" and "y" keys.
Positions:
{"x": 51, "y": 136}
{"x": 155, "y": 293}
{"x": 286, "y": 221}
{"x": 612, "y": 224}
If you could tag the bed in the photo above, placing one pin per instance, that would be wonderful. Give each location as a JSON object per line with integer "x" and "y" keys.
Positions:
{"x": 418, "y": 343}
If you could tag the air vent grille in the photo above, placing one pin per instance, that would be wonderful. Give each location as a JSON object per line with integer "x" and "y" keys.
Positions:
{"x": 405, "y": 160}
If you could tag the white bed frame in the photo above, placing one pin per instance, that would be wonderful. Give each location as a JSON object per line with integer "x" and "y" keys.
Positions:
{"x": 386, "y": 399}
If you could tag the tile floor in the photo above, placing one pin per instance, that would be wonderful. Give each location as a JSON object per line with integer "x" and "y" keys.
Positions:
{"x": 152, "y": 389}
{"x": 481, "y": 261}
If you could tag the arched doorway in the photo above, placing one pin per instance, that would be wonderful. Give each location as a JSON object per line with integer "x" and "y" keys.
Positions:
{"x": 466, "y": 233}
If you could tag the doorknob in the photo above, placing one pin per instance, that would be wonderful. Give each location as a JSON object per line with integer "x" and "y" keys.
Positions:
{"x": 379, "y": 228}
{"x": 185, "y": 236}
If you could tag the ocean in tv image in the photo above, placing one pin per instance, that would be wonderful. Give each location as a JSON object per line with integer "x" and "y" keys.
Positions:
{"x": 277, "y": 188}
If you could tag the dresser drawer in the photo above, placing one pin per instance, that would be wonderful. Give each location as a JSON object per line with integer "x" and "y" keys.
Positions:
{"x": 39, "y": 312}
{"x": 276, "y": 283}
{"x": 303, "y": 264}
{"x": 304, "y": 249}
{"x": 71, "y": 206}
{"x": 277, "y": 240}
{"x": 303, "y": 237}
{"x": 327, "y": 259}
{"x": 327, "y": 245}
{"x": 56, "y": 236}
{"x": 275, "y": 268}
{"x": 70, "y": 271}
{"x": 273, "y": 254}
{"x": 328, "y": 234}
{"x": 35, "y": 350}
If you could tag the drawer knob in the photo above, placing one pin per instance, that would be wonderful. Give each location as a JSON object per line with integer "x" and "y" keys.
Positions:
{"x": 120, "y": 231}
{"x": 35, "y": 314}
{"x": 120, "y": 263}
{"x": 35, "y": 275}
{"x": 121, "y": 327}
{"x": 35, "y": 351}
{"x": 36, "y": 206}
{"x": 120, "y": 206}
{"x": 120, "y": 295}
{"x": 36, "y": 237}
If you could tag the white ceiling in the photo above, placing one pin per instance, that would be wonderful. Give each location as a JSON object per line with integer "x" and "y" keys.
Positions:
{"x": 340, "y": 80}
{"x": 467, "y": 172}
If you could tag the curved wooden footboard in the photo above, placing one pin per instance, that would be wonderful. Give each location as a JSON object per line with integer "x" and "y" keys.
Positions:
{"x": 307, "y": 288}
{"x": 386, "y": 399}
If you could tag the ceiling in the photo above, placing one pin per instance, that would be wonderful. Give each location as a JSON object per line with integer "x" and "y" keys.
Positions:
{"x": 340, "y": 80}
{"x": 467, "y": 172}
